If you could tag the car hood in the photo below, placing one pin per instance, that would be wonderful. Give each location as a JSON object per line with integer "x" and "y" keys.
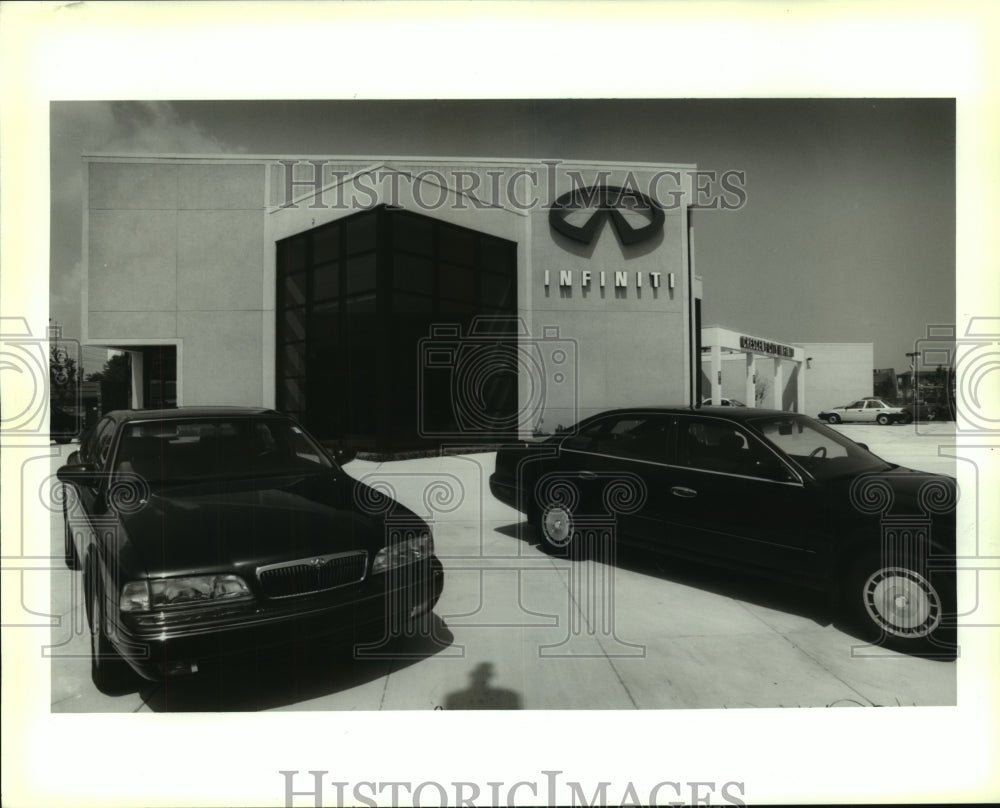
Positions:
{"x": 238, "y": 525}
{"x": 901, "y": 493}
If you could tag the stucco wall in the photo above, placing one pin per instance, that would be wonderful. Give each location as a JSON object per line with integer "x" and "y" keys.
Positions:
{"x": 182, "y": 252}
{"x": 174, "y": 256}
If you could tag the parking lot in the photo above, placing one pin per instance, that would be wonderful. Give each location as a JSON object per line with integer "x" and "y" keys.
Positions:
{"x": 517, "y": 629}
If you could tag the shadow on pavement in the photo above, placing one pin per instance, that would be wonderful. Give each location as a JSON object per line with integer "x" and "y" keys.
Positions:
{"x": 746, "y": 587}
{"x": 720, "y": 581}
{"x": 479, "y": 695}
{"x": 292, "y": 675}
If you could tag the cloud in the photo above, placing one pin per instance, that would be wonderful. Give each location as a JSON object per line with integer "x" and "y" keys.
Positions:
{"x": 108, "y": 127}
{"x": 155, "y": 127}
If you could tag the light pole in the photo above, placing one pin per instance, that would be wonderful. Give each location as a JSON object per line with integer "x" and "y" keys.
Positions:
{"x": 913, "y": 375}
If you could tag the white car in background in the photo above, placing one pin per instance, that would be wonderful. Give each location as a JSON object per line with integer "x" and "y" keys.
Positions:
{"x": 723, "y": 402}
{"x": 866, "y": 410}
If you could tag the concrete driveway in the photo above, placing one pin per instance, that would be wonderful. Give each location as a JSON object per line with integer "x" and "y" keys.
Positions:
{"x": 517, "y": 629}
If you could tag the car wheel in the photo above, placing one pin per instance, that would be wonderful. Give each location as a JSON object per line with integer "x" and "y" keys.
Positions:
{"x": 907, "y": 418}
{"x": 902, "y": 607}
{"x": 883, "y": 420}
{"x": 833, "y": 418}
{"x": 556, "y": 525}
{"x": 69, "y": 551}
{"x": 107, "y": 669}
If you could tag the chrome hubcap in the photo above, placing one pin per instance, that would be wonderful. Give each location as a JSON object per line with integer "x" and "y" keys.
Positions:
{"x": 902, "y": 602}
{"x": 558, "y": 525}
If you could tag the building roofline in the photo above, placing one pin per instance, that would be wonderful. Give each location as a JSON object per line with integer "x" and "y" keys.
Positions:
{"x": 98, "y": 157}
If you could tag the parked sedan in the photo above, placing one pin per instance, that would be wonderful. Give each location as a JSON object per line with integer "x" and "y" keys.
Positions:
{"x": 770, "y": 492}
{"x": 723, "y": 402}
{"x": 206, "y": 532}
{"x": 867, "y": 410}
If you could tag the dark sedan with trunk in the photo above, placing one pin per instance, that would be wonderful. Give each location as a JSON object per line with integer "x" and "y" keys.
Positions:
{"x": 774, "y": 493}
{"x": 204, "y": 533}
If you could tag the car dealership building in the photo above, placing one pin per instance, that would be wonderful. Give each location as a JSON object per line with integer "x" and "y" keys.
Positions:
{"x": 396, "y": 302}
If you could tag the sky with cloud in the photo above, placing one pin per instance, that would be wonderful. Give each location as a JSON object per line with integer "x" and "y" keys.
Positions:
{"x": 848, "y": 233}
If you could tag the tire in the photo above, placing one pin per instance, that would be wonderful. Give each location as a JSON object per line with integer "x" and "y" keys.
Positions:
{"x": 555, "y": 525}
{"x": 69, "y": 551}
{"x": 900, "y": 607}
{"x": 833, "y": 418}
{"x": 109, "y": 672}
{"x": 883, "y": 420}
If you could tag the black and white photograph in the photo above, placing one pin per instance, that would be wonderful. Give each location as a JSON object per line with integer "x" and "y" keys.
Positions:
{"x": 522, "y": 417}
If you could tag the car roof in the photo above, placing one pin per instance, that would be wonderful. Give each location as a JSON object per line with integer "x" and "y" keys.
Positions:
{"x": 732, "y": 413}
{"x": 174, "y": 413}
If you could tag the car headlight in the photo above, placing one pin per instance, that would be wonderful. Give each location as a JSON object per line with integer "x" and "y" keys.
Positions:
{"x": 412, "y": 546}
{"x": 187, "y": 590}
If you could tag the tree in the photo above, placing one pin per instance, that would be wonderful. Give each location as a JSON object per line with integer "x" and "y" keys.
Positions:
{"x": 63, "y": 381}
{"x": 760, "y": 391}
{"x": 117, "y": 370}
{"x": 115, "y": 379}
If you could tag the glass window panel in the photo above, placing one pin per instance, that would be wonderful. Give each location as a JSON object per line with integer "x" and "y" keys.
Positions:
{"x": 293, "y": 290}
{"x": 458, "y": 246}
{"x": 459, "y": 283}
{"x": 457, "y": 306}
{"x": 294, "y": 359}
{"x": 324, "y": 319}
{"x": 495, "y": 255}
{"x": 326, "y": 282}
{"x": 291, "y": 255}
{"x": 294, "y": 394}
{"x": 326, "y": 243}
{"x": 414, "y": 234}
{"x": 295, "y": 325}
{"x": 413, "y": 273}
{"x": 497, "y": 289}
{"x": 361, "y": 304}
{"x": 361, "y": 232}
{"x": 360, "y": 274}
{"x": 404, "y": 303}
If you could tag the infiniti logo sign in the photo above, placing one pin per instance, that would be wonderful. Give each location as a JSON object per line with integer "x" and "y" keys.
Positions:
{"x": 606, "y": 202}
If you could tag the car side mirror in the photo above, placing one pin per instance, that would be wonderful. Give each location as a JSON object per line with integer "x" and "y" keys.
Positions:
{"x": 80, "y": 474}
{"x": 863, "y": 446}
{"x": 74, "y": 458}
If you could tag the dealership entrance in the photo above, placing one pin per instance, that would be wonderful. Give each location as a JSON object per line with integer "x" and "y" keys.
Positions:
{"x": 730, "y": 370}
{"x": 374, "y": 314}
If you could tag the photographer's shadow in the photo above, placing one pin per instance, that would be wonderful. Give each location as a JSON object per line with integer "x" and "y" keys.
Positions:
{"x": 479, "y": 695}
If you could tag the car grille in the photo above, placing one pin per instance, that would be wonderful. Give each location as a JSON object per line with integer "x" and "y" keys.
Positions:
{"x": 307, "y": 575}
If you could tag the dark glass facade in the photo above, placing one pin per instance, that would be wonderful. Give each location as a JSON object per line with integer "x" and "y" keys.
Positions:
{"x": 374, "y": 321}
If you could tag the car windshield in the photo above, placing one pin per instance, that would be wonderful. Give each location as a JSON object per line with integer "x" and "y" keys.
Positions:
{"x": 821, "y": 451}
{"x": 196, "y": 449}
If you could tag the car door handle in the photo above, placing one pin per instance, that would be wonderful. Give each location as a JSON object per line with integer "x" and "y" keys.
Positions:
{"x": 681, "y": 491}
{"x": 588, "y": 475}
